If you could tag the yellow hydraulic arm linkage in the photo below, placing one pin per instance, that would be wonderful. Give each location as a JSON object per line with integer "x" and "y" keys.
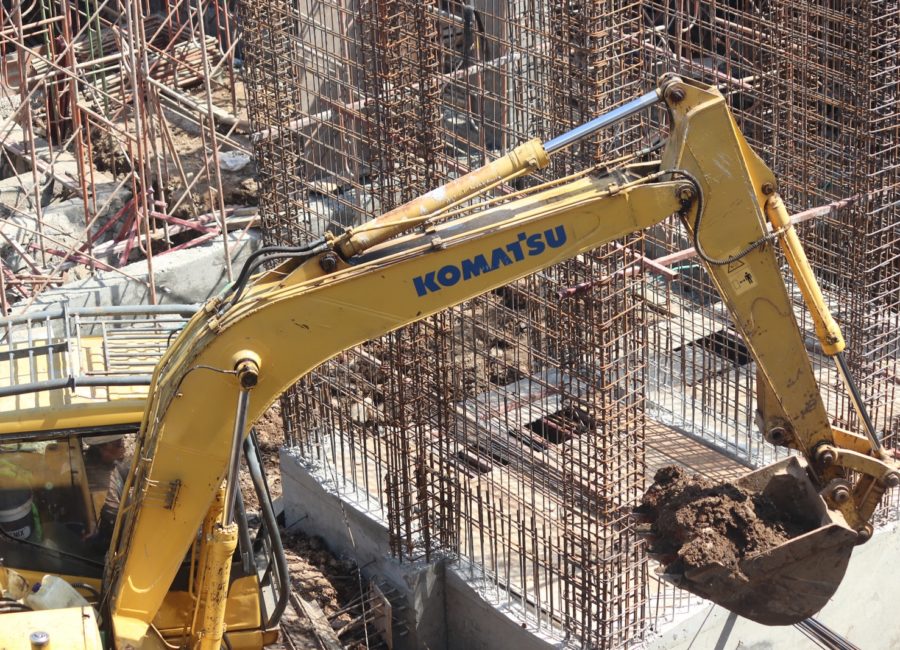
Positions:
{"x": 258, "y": 338}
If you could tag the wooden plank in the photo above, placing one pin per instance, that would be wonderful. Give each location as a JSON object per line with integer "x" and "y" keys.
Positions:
{"x": 320, "y": 625}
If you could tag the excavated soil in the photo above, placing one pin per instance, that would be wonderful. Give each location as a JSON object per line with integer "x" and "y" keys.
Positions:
{"x": 697, "y": 522}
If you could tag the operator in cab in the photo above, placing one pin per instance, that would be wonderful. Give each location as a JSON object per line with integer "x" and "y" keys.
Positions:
{"x": 106, "y": 464}
{"x": 100, "y": 458}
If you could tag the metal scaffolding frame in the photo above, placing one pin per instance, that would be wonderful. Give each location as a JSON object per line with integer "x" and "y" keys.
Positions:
{"x": 95, "y": 99}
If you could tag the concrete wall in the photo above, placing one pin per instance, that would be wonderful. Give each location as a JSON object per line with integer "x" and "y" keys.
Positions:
{"x": 473, "y": 623}
{"x": 443, "y": 610}
{"x": 863, "y": 611}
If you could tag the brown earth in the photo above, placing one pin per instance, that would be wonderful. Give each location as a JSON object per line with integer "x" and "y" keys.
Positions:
{"x": 697, "y": 522}
{"x": 239, "y": 187}
{"x": 270, "y": 435}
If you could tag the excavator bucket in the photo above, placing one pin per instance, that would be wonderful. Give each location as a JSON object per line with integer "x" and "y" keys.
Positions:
{"x": 787, "y": 583}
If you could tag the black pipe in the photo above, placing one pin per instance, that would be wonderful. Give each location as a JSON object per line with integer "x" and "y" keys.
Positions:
{"x": 268, "y": 515}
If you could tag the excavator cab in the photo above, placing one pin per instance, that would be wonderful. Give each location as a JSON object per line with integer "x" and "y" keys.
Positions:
{"x": 70, "y": 408}
{"x": 47, "y": 511}
{"x": 51, "y": 523}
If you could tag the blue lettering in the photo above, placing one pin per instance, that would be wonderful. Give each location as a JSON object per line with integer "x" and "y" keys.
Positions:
{"x": 425, "y": 284}
{"x": 499, "y": 258}
{"x": 448, "y": 275}
{"x": 516, "y": 248}
{"x": 535, "y": 245}
{"x": 556, "y": 237}
{"x": 474, "y": 267}
{"x": 451, "y": 274}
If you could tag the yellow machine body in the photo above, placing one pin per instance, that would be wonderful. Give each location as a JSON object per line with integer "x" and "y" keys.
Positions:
{"x": 362, "y": 284}
{"x": 71, "y": 628}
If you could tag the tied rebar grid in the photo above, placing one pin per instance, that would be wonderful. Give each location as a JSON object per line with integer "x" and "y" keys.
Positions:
{"x": 91, "y": 94}
{"x": 813, "y": 87}
{"x": 507, "y": 432}
{"x": 840, "y": 79}
{"x": 702, "y": 378}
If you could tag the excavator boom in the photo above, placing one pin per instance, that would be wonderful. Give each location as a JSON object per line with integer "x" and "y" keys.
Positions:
{"x": 246, "y": 347}
{"x": 258, "y": 339}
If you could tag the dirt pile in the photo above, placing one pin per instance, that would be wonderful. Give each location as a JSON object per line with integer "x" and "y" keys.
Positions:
{"x": 698, "y": 523}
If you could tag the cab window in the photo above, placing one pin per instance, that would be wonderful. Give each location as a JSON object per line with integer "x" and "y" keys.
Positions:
{"x": 52, "y": 495}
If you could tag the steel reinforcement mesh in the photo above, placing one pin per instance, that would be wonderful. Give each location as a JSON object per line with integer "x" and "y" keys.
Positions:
{"x": 509, "y": 432}
{"x": 813, "y": 87}
{"x": 506, "y": 432}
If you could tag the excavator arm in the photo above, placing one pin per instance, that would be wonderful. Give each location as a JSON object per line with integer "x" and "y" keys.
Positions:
{"x": 245, "y": 348}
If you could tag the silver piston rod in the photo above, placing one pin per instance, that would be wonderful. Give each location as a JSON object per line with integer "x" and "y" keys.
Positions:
{"x": 234, "y": 460}
{"x": 527, "y": 157}
{"x": 247, "y": 371}
{"x": 607, "y": 119}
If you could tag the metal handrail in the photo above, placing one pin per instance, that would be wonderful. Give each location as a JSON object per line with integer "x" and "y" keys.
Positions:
{"x": 55, "y": 335}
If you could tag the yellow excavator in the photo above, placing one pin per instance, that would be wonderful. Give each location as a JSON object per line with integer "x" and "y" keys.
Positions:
{"x": 182, "y": 567}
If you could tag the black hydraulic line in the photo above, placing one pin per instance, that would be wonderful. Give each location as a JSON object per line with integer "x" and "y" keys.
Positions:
{"x": 246, "y": 545}
{"x": 268, "y": 515}
{"x": 95, "y": 593}
{"x": 266, "y": 254}
{"x": 698, "y": 246}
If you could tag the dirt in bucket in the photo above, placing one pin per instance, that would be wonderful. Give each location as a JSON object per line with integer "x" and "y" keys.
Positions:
{"x": 697, "y": 522}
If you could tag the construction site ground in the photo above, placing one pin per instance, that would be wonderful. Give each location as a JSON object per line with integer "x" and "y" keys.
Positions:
{"x": 326, "y": 589}
{"x": 137, "y": 140}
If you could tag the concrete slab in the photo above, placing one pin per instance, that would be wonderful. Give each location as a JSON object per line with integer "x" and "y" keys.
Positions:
{"x": 188, "y": 276}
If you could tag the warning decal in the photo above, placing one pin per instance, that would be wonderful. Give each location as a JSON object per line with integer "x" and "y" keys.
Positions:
{"x": 740, "y": 277}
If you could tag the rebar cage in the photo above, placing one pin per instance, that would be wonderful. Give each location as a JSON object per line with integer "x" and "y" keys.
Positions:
{"x": 509, "y": 433}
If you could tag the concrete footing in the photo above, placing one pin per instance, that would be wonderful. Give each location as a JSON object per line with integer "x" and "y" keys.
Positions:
{"x": 439, "y": 609}
{"x": 444, "y": 609}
